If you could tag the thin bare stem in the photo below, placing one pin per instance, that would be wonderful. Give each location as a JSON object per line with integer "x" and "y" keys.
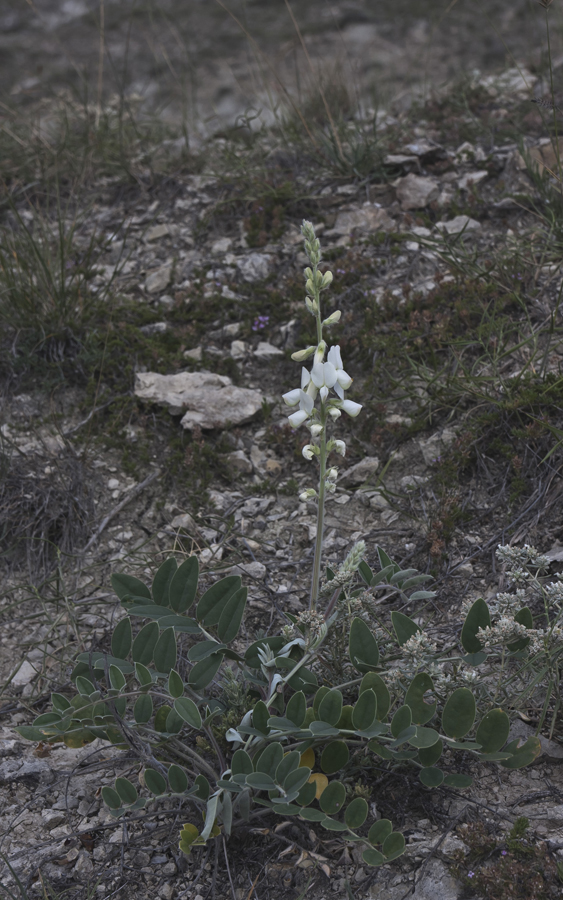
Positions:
{"x": 100, "y": 63}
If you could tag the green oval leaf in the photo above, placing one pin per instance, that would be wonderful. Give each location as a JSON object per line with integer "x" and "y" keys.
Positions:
{"x": 188, "y": 711}
{"x": 297, "y": 709}
{"x": 166, "y": 651}
{"x": 215, "y": 599}
{"x": 241, "y": 763}
{"x": 379, "y": 831}
{"x": 175, "y": 684}
{"x": 333, "y": 798}
{"x": 162, "y": 580}
{"x": 431, "y": 777}
{"x": 121, "y": 639}
{"x": 404, "y": 627}
{"x": 128, "y": 586}
{"x": 458, "y": 780}
{"x": 116, "y": 677}
{"x": 270, "y": 759}
{"x": 493, "y": 730}
{"x": 111, "y": 798}
{"x": 231, "y": 617}
{"x": 126, "y": 790}
{"x": 373, "y": 857}
{"x": 289, "y": 763}
{"x": 330, "y": 707}
{"x": 142, "y": 711}
{"x": 260, "y": 716}
{"x": 260, "y": 781}
{"x": 477, "y": 617}
{"x": 373, "y": 681}
{"x": 145, "y": 642}
{"x": 428, "y": 756}
{"x": 393, "y": 846}
{"x": 297, "y": 780}
{"x": 356, "y": 813}
{"x": 183, "y": 586}
{"x": 459, "y": 713}
{"x": 161, "y": 717}
{"x": 422, "y": 711}
{"x": 524, "y": 755}
{"x": 401, "y": 720}
{"x": 205, "y": 671}
{"x": 362, "y": 647}
{"x": 155, "y": 782}
{"x": 334, "y": 757}
{"x": 424, "y": 738}
{"x": 177, "y": 779}
{"x": 364, "y": 713}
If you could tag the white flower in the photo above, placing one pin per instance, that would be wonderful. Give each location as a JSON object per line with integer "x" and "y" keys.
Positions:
{"x": 308, "y": 451}
{"x": 343, "y": 380}
{"x": 316, "y": 430}
{"x": 332, "y": 474}
{"x": 292, "y": 398}
{"x": 334, "y": 413}
{"x": 306, "y": 403}
{"x": 340, "y": 447}
{"x": 350, "y": 407}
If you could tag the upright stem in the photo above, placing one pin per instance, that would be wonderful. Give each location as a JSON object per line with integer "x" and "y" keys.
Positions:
{"x": 320, "y": 515}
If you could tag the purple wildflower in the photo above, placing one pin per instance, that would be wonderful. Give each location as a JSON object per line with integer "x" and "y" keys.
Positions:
{"x": 260, "y": 323}
{"x": 503, "y": 852}
{"x": 471, "y": 874}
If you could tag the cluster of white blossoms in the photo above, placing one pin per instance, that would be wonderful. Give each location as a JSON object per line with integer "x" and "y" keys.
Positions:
{"x": 418, "y": 647}
{"x": 506, "y": 629}
{"x": 326, "y": 382}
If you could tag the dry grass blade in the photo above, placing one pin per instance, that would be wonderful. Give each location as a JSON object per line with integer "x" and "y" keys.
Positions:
{"x": 46, "y": 505}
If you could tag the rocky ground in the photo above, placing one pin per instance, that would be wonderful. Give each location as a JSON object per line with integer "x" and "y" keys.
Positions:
{"x": 159, "y": 428}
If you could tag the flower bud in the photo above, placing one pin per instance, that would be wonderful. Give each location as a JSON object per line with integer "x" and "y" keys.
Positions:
{"x": 318, "y": 278}
{"x": 327, "y": 279}
{"x": 302, "y": 355}
{"x": 309, "y": 494}
{"x": 320, "y": 352}
{"x": 340, "y": 447}
{"x": 311, "y": 305}
{"x": 308, "y": 273}
{"x": 316, "y": 430}
{"x": 332, "y": 474}
{"x": 310, "y": 287}
{"x": 309, "y": 450}
{"x": 334, "y": 413}
{"x": 330, "y": 487}
{"x": 333, "y": 318}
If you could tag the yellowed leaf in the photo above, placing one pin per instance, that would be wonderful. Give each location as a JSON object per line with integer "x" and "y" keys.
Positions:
{"x": 320, "y": 781}
{"x": 307, "y": 759}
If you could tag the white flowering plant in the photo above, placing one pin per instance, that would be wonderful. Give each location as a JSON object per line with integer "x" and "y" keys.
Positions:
{"x": 234, "y": 731}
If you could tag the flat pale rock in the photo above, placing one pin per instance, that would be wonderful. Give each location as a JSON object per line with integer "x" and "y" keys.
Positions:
{"x": 460, "y": 223}
{"x": 206, "y": 399}
{"x": 158, "y": 280}
{"x": 361, "y": 471}
{"x": 252, "y": 569}
{"x": 239, "y": 462}
{"x": 267, "y": 351}
{"x": 363, "y": 218}
{"x": 466, "y": 182}
{"x": 416, "y": 192}
{"x": 254, "y": 267}
{"x": 25, "y": 674}
{"x": 433, "y": 447}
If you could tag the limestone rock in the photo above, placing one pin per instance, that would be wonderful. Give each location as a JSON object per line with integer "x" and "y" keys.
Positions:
{"x": 466, "y": 182}
{"x": 158, "y": 281}
{"x": 416, "y": 192}
{"x": 361, "y": 471}
{"x": 154, "y": 328}
{"x": 364, "y": 218}
{"x": 25, "y": 674}
{"x": 434, "y": 446}
{"x": 266, "y": 351}
{"x": 254, "y": 267}
{"x": 252, "y": 569}
{"x": 437, "y": 882}
{"x": 460, "y": 223}
{"x": 238, "y": 349}
{"x": 211, "y": 400}
{"x": 239, "y": 461}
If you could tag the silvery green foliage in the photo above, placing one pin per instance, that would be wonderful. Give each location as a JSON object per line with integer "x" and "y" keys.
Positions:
{"x": 231, "y": 730}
